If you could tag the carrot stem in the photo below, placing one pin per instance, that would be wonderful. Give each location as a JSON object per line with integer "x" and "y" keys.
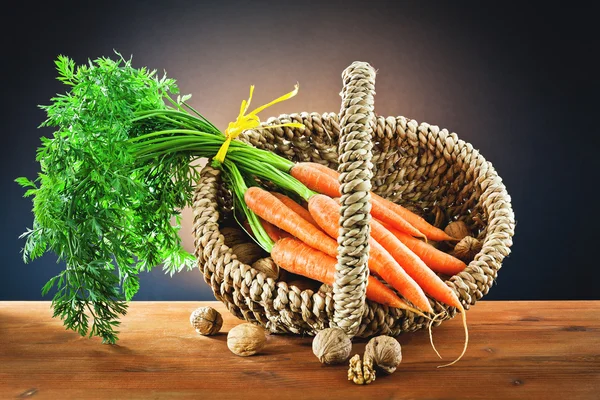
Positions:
{"x": 270, "y": 173}
{"x": 239, "y": 188}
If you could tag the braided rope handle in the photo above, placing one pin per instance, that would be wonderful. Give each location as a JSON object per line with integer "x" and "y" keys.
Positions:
{"x": 357, "y": 119}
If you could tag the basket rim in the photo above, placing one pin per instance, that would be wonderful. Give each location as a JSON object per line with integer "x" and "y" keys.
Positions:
{"x": 496, "y": 241}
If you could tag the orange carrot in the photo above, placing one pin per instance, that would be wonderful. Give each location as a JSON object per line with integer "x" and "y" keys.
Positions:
{"x": 297, "y": 257}
{"x": 321, "y": 182}
{"x": 297, "y": 208}
{"x": 415, "y": 220}
{"x": 274, "y": 232}
{"x": 323, "y": 168}
{"x": 413, "y": 265}
{"x": 385, "y": 214}
{"x": 378, "y": 203}
{"x": 416, "y": 268}
{"x": 435, "y": 259}
{"x": 327, "y": 214}
{"x": 314, "y": 179}
{"x": 271, "y": 209}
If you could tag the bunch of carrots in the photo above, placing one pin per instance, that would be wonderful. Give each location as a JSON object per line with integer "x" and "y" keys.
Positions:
{"x": 302, "y": 239}
{"x": 120, "y": 166}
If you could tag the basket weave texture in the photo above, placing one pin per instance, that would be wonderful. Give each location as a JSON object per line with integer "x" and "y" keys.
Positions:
{"x": 420, "y": 166}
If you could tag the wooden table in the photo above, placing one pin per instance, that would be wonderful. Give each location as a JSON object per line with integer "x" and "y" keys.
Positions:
{"x": 524, "y": 350}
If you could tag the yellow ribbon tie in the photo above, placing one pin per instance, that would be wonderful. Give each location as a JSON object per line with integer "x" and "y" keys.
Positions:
{"x": 251, "y": 121}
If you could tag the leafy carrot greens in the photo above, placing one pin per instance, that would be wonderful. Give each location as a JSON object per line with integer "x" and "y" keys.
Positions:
{"x": 104, "y": 211}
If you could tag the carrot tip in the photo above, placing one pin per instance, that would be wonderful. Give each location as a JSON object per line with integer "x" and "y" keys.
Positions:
{"x": 415, "y": 311}
{"x": 431, "y": 333}
{"x": 464, "y": 321}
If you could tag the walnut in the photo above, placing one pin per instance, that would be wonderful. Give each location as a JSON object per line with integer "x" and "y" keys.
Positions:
{"x": 332, "y": 346}
{"x": 268, "y": 267}
{"x": 246, "y": 339}
{"x": 467, "y": 248}
{"x": 247, "y": 253}
{"x": 360, "y": 373}
{"x": 458, "y": 230}
{"x": 383, "y": 352}
{"x": 206, "y": 320}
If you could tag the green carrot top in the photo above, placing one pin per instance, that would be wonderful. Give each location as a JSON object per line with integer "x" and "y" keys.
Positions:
{"x": 114, "y": 174}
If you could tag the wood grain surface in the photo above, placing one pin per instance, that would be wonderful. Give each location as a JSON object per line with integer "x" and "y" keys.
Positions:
{"x": 518, "y": 350}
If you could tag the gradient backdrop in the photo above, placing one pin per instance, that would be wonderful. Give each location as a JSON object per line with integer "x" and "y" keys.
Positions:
{"x": 514, "y": 80}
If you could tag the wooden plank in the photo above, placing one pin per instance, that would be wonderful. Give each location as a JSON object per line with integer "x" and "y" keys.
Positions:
{"x": 518, "y": 350}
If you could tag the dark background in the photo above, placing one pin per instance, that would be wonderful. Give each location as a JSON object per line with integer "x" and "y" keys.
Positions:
{"x": 517, "y": 81}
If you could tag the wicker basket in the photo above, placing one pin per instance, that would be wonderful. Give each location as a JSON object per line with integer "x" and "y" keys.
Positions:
{"x": 427, "y": 169}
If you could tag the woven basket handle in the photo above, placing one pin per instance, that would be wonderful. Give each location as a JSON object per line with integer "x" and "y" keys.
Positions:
{"x": 356, "y": 170}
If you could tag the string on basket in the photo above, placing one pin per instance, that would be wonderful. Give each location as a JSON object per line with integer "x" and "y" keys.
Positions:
{"x": 251, "y": 121}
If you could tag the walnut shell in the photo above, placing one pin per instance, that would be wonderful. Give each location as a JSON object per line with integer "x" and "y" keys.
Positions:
{"x": 384, "y": 352}
{"x": 467, "y": 248}
{"x": 206, "y": 320}
{"x": 268, "y": 267}
{"x": 246, "y": 339}
{"x": 458, "y": 229}
{"x": 332, "y": 346}
{"x": 247, "y": 253}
